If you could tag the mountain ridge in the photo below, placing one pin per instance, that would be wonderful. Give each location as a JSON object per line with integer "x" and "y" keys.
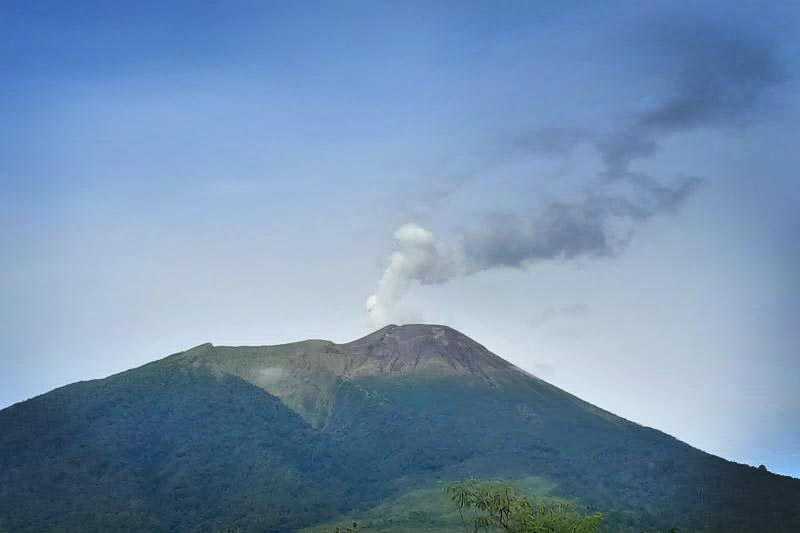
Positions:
{"x": 369, "y": 347}
{"x": 304, "y": 373}
{"x": 219, "y": 436}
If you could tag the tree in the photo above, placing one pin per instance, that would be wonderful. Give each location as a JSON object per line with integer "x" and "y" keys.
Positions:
{"x": 492, "y": 506}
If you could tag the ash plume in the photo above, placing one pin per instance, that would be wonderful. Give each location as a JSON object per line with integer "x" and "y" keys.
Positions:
{"x": 718, "y": 81}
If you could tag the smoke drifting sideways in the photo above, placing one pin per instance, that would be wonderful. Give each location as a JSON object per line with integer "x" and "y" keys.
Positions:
{"x": 719, "y": 82}
{"x": 560, "y": 231}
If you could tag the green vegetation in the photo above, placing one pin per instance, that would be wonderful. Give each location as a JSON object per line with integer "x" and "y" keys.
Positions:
{"x": 197, "y": 442}
{"x": 499, "y": 506}
{"x": 428, "y": 509}
{"x": 160, "y": 449}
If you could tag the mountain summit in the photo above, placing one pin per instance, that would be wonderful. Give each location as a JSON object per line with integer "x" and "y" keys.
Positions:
{"x": 276, "y": 438}
{"x": 307, "y": 374}
{"x": 424, "y": 348}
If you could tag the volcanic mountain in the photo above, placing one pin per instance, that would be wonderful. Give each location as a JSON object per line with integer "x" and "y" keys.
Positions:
{"x": 277, "y": 438}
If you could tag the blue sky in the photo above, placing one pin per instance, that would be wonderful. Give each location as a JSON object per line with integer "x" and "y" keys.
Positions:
{"x": 605, "y": 194}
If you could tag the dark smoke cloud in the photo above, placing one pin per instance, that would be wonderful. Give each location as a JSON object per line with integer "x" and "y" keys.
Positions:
{"x": 569, "y": 230}
{"x": 720, "y": 77}
{"x": 718, "y": 80}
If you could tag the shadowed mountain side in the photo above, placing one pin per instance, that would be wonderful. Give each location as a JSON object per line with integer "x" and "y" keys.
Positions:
{"x": 211, "y": 438}
{"x": 165, "y": 447}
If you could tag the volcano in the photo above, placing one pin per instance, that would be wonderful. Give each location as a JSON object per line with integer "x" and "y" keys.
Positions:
{"x": 278, "y": 438}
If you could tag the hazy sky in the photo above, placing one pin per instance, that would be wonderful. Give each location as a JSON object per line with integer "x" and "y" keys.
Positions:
{"x": 606, "y": 194}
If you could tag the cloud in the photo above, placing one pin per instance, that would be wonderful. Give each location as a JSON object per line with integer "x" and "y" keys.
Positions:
{"x": 716, "y": 79}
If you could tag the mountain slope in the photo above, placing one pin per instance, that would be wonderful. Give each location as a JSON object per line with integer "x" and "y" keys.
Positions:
{"x": 162, "y": 447}
{"x": 273, "y": 438}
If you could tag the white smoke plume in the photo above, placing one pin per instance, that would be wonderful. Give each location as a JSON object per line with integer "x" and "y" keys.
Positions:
{"x": 419, "y": 258}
